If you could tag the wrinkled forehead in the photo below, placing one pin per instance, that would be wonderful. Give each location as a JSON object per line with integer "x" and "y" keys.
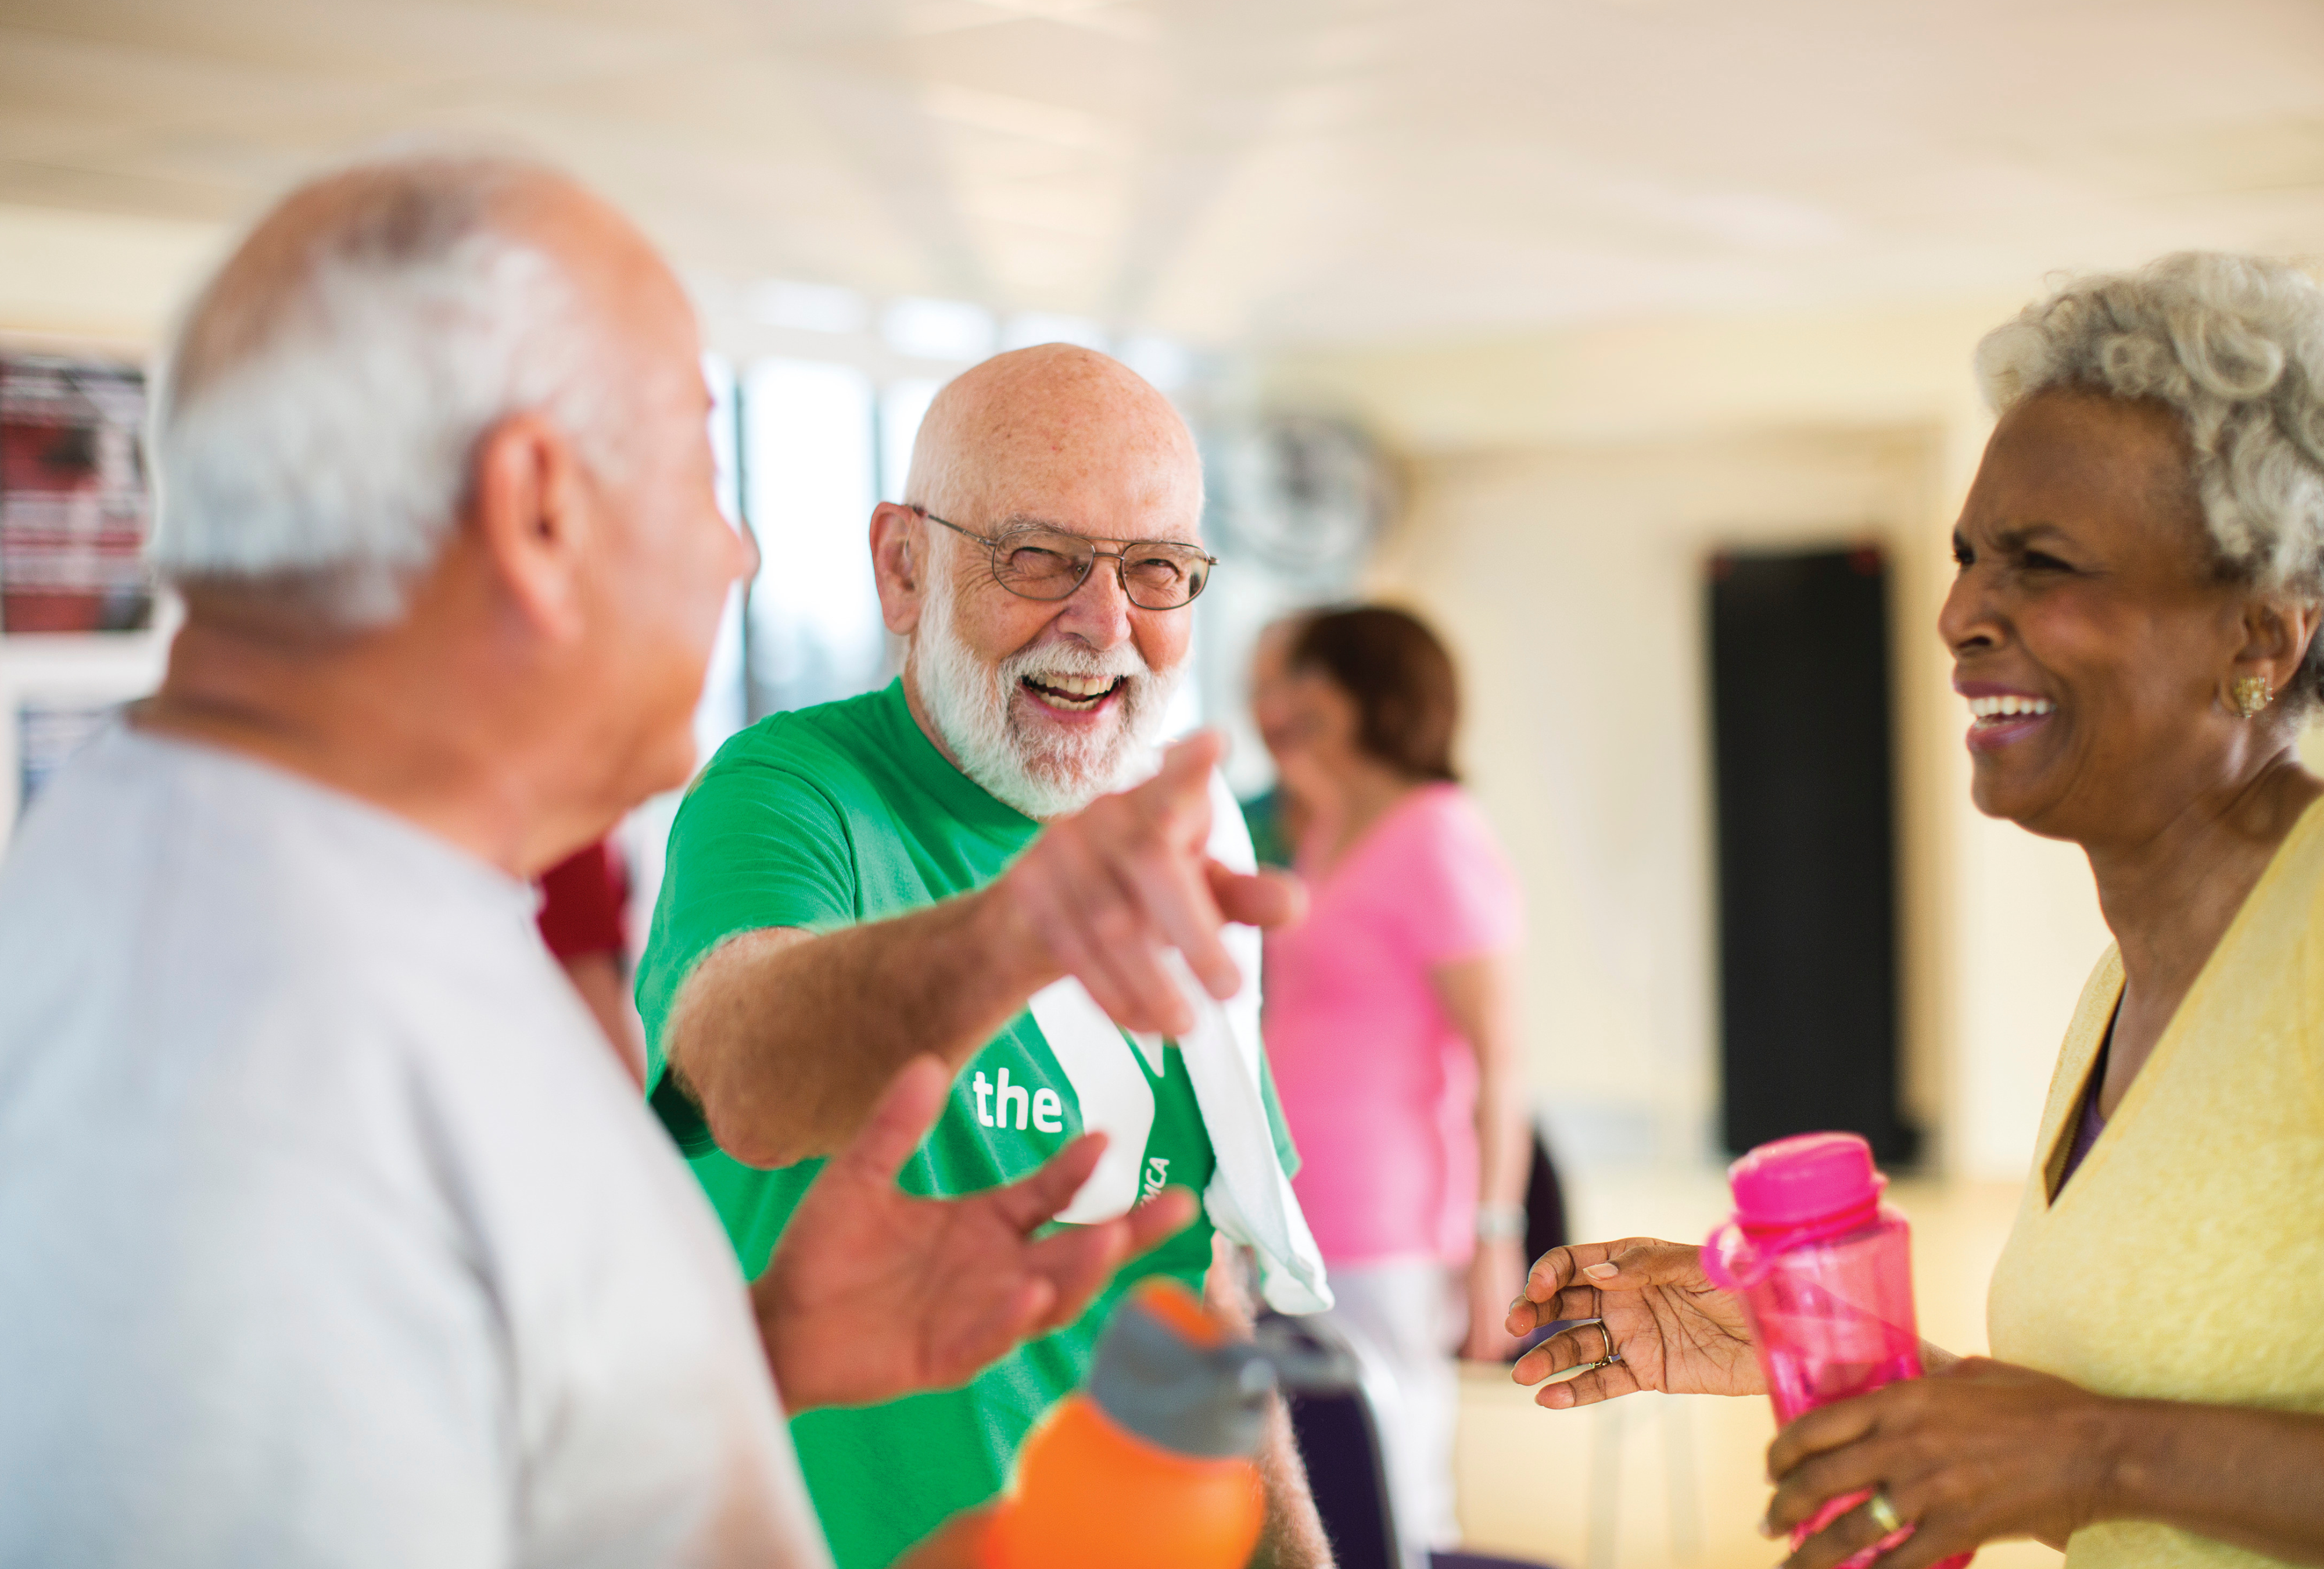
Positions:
{"x": 1103, "y": 473}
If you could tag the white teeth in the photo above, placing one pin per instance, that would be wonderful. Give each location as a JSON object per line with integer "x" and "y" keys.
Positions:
{"x": 2009, "y": 707}
{"x": 1074, "y": 692}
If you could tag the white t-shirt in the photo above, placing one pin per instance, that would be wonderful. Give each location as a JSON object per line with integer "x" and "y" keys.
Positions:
{"x": 331, "y": 1232}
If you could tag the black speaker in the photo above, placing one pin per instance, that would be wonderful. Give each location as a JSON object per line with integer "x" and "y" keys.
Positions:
{"x": 1807, "y": 878}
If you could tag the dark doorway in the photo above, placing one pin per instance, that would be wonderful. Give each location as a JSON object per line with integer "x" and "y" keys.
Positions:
{"x": 1807, "y": 880}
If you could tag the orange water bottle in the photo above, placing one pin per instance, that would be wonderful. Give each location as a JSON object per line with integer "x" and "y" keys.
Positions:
{"x": 1151, "y": 1466}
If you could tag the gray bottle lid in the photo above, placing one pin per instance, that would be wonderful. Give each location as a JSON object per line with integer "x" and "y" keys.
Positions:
{"x": 1154, "y": 1380}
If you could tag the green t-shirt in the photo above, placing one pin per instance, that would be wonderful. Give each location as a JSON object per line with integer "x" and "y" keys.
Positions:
{"x": 823, "y": 819}
{"x": 1263, "y": 815}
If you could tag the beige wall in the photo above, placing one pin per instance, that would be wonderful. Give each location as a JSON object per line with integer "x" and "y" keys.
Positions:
{"x": 1563, "y": 492}
{"x": 92, "y": 276}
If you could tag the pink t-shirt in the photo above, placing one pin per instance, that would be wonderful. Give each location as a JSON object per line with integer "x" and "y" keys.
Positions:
{"x": 1379, "y": 1090}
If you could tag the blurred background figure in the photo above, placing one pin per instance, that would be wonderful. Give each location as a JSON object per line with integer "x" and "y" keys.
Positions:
{"x": 1392, "y": 1021}
{"x": 584, "y": 922}
{"x": 1274, "y": 816}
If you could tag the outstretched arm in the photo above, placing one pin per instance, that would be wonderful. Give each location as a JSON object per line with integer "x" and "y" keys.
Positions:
{"x": 784, "y": 1038}
{"x": 873, "y": 1293}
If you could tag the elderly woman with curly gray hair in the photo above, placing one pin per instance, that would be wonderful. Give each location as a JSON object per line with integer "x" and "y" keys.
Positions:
{"x": 2133, "y": 624}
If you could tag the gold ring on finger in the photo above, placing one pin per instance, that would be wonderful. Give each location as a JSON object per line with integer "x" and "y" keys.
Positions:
{"x": 1883, "y": 1512}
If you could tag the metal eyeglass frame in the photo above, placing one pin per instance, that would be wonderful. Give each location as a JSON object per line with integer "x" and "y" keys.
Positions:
{"x": 1120, "y": 562}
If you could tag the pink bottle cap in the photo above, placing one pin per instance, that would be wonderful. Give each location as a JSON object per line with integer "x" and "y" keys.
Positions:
{"x": 1802, "y": 1180}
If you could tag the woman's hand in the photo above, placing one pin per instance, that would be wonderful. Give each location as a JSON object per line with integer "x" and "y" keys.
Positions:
{"x": 1973, "y": 1454}
{"x": 1496, "y": 1273}
{"x": 1674, "y": 1330}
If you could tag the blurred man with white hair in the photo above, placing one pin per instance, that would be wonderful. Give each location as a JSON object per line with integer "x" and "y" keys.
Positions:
{"x": 331, "y": 1232}
{"x": 964, "y": 863}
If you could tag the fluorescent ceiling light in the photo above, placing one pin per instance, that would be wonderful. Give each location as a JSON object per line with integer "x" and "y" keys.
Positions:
{"x": 807, "y": 306}
{"x": 938, "y": 329}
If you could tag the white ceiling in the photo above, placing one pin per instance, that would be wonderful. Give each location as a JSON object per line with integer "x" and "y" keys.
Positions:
{"x": 1260, "y": 171}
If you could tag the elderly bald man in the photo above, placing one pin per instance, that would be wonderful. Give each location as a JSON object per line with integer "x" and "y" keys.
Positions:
{"x": 953, "y": 864}
{"x": 330, "y": 1230}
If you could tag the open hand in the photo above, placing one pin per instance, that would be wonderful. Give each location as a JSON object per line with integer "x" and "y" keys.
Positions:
{"x": 1108, "y": 891}
{"x": 1674, "y": 1330}
{"x": 1980, "y": 1452}
{"x": 873, "y": 1293}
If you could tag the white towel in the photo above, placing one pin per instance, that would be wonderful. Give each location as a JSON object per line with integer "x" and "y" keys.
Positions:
{"x": 1249, "y": 1198}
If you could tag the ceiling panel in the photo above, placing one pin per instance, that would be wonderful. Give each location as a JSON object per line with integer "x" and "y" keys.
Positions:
{"x": 1234, "y": 170}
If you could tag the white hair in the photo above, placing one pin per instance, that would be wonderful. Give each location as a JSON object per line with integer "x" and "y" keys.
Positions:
{"x": 975, "y": 707}
{"x": 326, "y": 391}
{"x": 2235, "y": 346}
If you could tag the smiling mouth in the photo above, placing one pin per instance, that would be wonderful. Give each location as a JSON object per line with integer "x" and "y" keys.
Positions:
{"x": 1073, "y": 693}
{"x": 1992, "y": 713}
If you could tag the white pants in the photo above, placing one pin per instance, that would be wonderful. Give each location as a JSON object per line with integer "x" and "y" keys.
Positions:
{"x": 1406, "y": 1319}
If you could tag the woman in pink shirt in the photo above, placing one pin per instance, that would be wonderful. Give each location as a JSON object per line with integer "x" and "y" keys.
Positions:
{"x": 1391, "y": 1021}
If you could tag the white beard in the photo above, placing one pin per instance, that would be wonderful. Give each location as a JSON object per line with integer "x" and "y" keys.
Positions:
{"x": 1042, "y": 770}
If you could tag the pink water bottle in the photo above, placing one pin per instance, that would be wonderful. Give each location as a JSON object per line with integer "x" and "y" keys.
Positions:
{"x": 1825, "y": 1270}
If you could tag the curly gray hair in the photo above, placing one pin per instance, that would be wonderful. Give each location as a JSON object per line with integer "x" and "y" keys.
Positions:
{"x": 2235, "y": 345}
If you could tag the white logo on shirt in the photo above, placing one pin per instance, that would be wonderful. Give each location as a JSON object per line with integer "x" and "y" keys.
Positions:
{"x": 1041, "y": 1106}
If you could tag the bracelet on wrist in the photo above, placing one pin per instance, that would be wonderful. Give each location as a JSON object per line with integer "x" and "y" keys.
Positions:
{"x": 1501, "y": 1222}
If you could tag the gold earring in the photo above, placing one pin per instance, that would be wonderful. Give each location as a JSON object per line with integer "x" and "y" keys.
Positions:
{"x": 2249, "y": 695}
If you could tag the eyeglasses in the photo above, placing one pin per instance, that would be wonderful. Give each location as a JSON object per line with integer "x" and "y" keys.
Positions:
{"x": 1038, "y": 562}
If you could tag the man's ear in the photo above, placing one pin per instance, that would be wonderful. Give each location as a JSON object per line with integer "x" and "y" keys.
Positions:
{"x": 899, "y": 544}
{"x": 528, "y": 508}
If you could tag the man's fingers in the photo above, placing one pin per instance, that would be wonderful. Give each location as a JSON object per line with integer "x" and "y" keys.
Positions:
{"x": 1263, "y": 899}
{"x": 977, "y": 1340}
{"x": 1178, "y": 898}
{"x": 907, "y": 1109}
{"x": 1186, "y": 767}
{"x": 1034, "y": 1200}
{"x": 1077, "y": 1262}
{"x": 1160, "y": 1218}
{"x": 1116, "y": 939}
{"x": 1099, "y": 938}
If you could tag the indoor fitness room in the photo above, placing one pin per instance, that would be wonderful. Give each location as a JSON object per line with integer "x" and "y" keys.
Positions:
{"x": 1622, "y": 687}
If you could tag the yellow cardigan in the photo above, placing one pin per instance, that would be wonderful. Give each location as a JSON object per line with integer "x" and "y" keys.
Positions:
{"x": 2185, "y": 1260}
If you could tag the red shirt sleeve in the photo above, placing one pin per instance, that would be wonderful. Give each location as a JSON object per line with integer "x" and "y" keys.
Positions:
{"x": 581, "y": 901}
